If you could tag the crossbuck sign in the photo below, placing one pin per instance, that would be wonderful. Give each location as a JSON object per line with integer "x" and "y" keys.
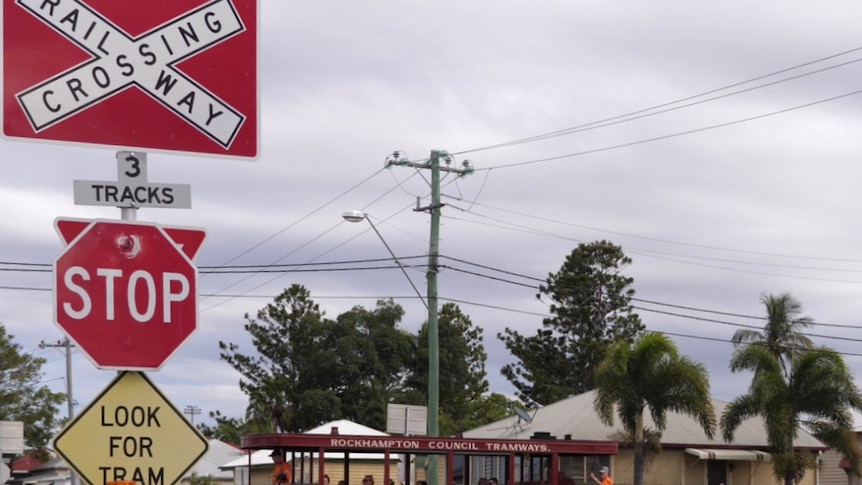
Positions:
{"x": 159, "y": 65}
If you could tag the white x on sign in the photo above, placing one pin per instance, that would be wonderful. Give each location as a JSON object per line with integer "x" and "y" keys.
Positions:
{"x": 147, "y": 62}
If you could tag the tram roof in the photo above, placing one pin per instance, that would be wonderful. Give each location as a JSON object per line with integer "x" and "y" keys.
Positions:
{"x": 424, "y": 444}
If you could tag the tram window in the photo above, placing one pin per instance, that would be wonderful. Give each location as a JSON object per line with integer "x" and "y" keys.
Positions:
{"x": 458, "y": 469}
{"x": 573, "y": 467}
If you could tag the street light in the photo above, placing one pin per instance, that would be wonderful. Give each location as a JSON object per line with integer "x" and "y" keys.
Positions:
{"x": 192, "y": 410}
{"x": 433, "y": 338}
{"x": 433, "y": 334}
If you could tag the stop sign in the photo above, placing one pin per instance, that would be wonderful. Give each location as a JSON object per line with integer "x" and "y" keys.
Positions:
{"x": 126, "y": 293}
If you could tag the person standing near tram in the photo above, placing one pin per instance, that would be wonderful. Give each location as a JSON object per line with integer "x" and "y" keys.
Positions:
{"x": 604, "y": 479}
{"x": 282, "y": 473}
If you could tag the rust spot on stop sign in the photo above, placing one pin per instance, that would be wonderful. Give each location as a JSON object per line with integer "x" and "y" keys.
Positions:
{"x": 129, "y": 245}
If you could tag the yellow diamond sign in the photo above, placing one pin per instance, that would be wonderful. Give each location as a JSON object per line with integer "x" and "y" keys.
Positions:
{"x": 130, "y": 432}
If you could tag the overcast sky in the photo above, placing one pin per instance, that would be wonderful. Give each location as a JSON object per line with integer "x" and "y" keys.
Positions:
{"x": 717, "y": 143}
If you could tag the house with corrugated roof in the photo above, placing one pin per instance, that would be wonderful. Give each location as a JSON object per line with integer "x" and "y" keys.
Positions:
{"x": 688, "y": 456}
{"x": 28, "y": 470}
{"x": 210, "y": 464}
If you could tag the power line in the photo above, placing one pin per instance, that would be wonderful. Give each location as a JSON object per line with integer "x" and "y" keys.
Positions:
{"x": 318, "y": 209}
{"x": 309, "y": 268}
{"x": 671, "y": 135}
{"x": 329, "y": 266}
{"x": 291, "y": 266}
{"x": 298, "y": 268}
{"x": 548, "y": 315}
{"x": 660, "y": 254}
{"x": 669, "y": 106}
{"x": 697, "y": 337}
{"x": 648, "y": 238}
{"x": 331, "y": 228}
{"x": 641, "y": 300}
{"x": 652, "y": 302}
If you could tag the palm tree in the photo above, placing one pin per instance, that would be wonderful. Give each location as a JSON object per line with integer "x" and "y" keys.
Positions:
{"x": 816, "y": 391}
{"x": 650, "y": 373}
{"x": 782, "y": 336}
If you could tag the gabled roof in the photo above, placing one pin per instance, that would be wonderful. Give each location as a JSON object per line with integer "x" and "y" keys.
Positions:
{"x": 344, "y": 427}
{"x": 53, "y": 471}
{"x": 25, "y": 463}
{"x": 577, "y": 417}
{"x": 218, "y": 453}
{"x": 55, "y": 463}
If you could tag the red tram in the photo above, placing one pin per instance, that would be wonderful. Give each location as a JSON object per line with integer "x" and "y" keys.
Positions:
{"x": 542, "y": 460}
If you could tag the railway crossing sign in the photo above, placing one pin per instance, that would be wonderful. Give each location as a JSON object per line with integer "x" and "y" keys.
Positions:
{"x": 154, "y": 75}
{"x": 131, "y": 432}
{"x": 126, "y": 293}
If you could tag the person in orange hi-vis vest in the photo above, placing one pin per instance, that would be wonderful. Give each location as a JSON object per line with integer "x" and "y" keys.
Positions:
{"x": 605, "y": 478}
{"x": 282, "y": 473}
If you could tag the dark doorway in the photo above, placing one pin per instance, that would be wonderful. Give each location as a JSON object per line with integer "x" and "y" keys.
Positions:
{"x": 716, "y": 472}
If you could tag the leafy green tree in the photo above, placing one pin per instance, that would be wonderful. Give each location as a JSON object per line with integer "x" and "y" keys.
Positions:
{"x": 229, "y": 430}
{"x": 591, "y": 308}
{"x": 782, "y": 336}
{"x": 286, "y": 335}
{"x": 196, "y": 479}
{"x": 310, "y": 369}
{"x": 485, "y": 409}
{"x": 373, "y": 357}
{"x": 21, "y": 396}
{"x": 649, "y": 374}
{"x": 463, "y": 380}
{"x": 816, "y": 391}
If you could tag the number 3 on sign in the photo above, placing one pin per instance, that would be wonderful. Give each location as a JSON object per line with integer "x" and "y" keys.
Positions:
{"x": 132, "y": 165}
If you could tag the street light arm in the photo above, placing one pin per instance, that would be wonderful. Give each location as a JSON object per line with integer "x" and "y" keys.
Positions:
{"x": 356, "y": 216}
{"x": 398, "y": 262}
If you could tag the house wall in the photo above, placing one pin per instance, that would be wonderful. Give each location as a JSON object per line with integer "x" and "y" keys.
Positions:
{"x": 831, "y": 473}
{"x": 666, "y": 468}
{"x": 240, "y": 475}
{"x": 756, "y": 473}
{"x": 693, "y": 469}
{"x": 675, "y": 467}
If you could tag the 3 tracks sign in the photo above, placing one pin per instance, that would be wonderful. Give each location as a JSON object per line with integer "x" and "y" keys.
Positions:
{"x": 163, "y": 75}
